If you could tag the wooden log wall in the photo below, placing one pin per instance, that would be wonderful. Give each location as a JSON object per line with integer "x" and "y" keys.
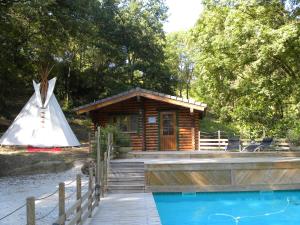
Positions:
{"x": 187, "y": 137}
{"x": 151, "y": 137}
{"x": 130, "y": 106}
{"x": 197, "y": 128}
{"x": 188, "y": 123}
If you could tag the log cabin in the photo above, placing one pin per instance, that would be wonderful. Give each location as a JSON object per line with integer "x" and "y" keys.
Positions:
{"x": 154, "y": 121}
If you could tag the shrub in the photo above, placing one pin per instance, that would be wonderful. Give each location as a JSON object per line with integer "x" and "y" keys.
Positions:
{"x": 119, "y": 138}
{"x": 293, "y": 136}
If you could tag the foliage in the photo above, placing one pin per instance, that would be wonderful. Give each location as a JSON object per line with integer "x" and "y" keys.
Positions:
{"x": 119, "y": 138}
{"x": 97, "y": 48}
{"x": 247, "y": 67}
{"x": 179, "y": 59}
{"x": 241, "y": 57}
{"x": 293, "y": 134}
{"x": 211, "y": 125}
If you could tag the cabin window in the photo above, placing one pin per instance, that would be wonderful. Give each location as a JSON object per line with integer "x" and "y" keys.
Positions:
{"x": 126, "y": 123}
{"x": 168, "y": 124}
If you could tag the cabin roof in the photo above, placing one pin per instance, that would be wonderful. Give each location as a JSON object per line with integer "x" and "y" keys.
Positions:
{"x": 187, "y": 103}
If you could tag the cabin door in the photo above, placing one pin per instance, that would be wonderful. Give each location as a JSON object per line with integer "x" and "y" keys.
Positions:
{"x": 168, "y": 131}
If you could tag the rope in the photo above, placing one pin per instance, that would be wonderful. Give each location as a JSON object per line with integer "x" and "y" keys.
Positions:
{"x": 70, "y": 195}
{"x": 70, "y": 182}
{"x": 47, "y": 214}
{"x": 42, "y": 198}
{"x": 12, "y": 212}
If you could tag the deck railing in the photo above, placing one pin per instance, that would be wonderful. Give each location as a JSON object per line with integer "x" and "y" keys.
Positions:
{"x": 84, "y": 205}
{"x": 218, "y": 141}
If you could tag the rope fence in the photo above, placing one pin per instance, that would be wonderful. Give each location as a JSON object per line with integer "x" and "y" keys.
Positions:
{"x": 12, "y": 212}
{"x": 48, "y": 213}
{"x": 40, "y": 199}
{"x": 48, "y": 196}
{"x": 85, "y": 202}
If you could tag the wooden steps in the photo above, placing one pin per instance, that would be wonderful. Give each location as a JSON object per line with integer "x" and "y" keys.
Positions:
{"x": 126, "y": 177}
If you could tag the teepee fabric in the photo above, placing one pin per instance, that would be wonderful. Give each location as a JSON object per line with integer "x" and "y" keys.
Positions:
{"x": 40, "y": 125}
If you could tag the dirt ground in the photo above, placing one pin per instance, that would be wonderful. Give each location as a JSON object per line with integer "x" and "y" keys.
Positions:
{"x": 17, "y": 161}
{"x": 20, "y": 162}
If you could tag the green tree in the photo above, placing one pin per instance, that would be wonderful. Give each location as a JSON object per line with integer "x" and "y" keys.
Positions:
{"x": 98, "y": 48}
{"x": 180, "y": 61}
{"x": 247, "y": 65}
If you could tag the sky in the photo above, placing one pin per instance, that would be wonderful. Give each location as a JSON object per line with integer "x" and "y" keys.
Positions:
{"x": 183, "y": 14}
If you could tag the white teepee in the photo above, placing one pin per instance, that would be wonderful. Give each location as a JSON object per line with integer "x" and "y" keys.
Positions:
{"x": 40, "y": 124}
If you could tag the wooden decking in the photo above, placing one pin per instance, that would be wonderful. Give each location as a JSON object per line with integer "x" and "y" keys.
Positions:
{"x": 126, "y": 209}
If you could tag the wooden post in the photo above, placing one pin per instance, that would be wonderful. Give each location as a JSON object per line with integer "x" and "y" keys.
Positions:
{"x": 219, "y": 137}
{"x": 90, "y": 198}
{"x": 61, "y": 202}
{"x": 95, "y": 140}
{"x": 199, "y": 140}
{"x": 102, "y": 177}
{"x": 109, "y": 147}
{"x": 90, "y": 143}
{"x": 98, "y": 166}
{"x": 193, "y": 139}
{"x": 104, "y": 173}
{"x": 78, "y": 197}
{"x": 30, "y": 210}
{"x": 98, "y": 155}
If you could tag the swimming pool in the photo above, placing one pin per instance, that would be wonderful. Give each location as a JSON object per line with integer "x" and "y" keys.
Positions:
{"x": 229, "y": 208}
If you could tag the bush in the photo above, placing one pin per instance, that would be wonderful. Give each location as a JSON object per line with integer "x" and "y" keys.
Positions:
{"x": 119, "y": 139}
{"x": 293, "y": 136}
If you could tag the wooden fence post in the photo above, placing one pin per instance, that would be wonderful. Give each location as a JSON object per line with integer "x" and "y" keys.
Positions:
{"x": 98, "y": 167}
{"x": 90, "y": 198}
{"x": 219, "y": 137}
{"x": 90, "y": 143}
{"x": 78, "y": 197}
{"x": 102, "y": 177}
{"x": 104, "y": 172}
{"x": 30, "y": 210}
{"x": 199, "y": 140}
{"x": 109, "y": 147}
{"x": 61, "y": 202}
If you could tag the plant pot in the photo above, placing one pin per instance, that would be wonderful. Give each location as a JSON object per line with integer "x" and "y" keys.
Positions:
{"x": 123, "y": 152}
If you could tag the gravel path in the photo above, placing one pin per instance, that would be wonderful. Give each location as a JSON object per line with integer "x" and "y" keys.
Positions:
{"x": 15, "y": 190}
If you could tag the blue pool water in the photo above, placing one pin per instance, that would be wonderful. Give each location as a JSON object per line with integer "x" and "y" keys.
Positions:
{"x": 234, "y": 208}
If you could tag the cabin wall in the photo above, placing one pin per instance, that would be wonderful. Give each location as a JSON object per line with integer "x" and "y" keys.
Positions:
{"x": 148, "y": 136}
{"x": 188, "y": 129}
{"x": 197, "y": 128}
{"x": 101, "y": 117}
{"x": 151, "y": 129}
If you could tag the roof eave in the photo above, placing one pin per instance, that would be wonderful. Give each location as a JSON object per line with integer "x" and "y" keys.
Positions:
{"x": 137, "y": 92}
